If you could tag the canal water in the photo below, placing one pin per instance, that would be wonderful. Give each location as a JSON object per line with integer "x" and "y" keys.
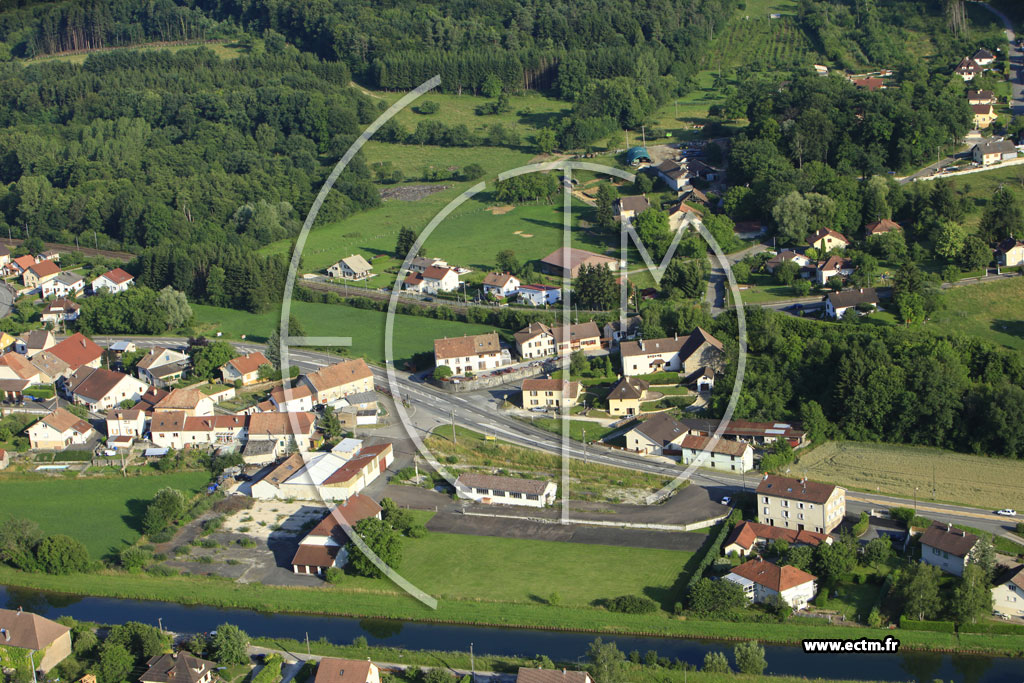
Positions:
{"x": 921, "y": 667}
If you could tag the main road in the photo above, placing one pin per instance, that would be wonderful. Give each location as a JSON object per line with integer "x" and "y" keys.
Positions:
{"x": 430, "y": 408}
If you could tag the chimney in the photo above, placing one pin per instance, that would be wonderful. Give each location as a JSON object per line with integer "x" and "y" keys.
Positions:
{"x": 861, "y": 290}
{"x": 7, "y": 634}
{"x": 676, "y": 336}
{"x": 19, "y": 611}
{"x": 765, "y": 477}
{"x": 949, "y": 527}
{"x": 641, "y": 344}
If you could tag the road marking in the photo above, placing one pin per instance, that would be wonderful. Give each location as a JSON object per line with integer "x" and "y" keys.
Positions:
{"x": 955, "y": 513}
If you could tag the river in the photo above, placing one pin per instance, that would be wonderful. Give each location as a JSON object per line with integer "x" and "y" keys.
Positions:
{"x": 923, "y": 667}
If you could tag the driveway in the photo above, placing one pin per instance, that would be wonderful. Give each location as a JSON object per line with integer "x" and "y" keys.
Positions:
{"x": 717, "y": 280}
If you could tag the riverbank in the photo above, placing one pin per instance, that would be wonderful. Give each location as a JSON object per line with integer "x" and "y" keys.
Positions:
{"x": 336, "y": 601}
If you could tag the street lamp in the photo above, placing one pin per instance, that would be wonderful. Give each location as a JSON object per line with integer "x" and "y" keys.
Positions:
{"x": 915, "y": 500}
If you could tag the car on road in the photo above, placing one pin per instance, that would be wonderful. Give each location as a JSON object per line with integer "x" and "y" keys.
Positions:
{"x": 1007, "y": 512}
{"x": 726, "y": 500}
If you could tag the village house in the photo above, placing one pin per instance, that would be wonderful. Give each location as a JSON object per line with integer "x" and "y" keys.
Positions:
{"x": 244, "y": 368}
{"x": 983, "y": 57}
{"x": 567, "y": 262}
{"x": 14, "y": 366}
{"x": 761, "y": 580}
{"x": 681, "y": 216}
{"x": 471, "y": 354}
{"x": 539, "y": 295}
{"x": 334, "y": 670}
{"x": 746, "y": 537}
{"x": 324, "y": 546}
{"x": 331, "y": 384}
{"x": 833, "y": 266}
{"x": 1008, "y": 593}
{"x": 5, "y": 256}
{"x": 991, "y": 152}
{"x": 354, "y": 267}
{"x": 498, "y": 490}
{"x": 166, "y": 429}
{"x": 147, "y": 402}
{"x": 75, "y": 351}
{"x": 785, "y": 256}
{"x": 328, "y": 476}
{"x": 800, "y": 504}
{"x": 32, "y": 342}
{"x": 1010, "y": 253}
{"x": 213, "y": 430}
{"x": 724, "y": 455}
{"x": 59, "y": 430}
{"x": 178, "y": 667}
{"x": 526, "y": 675}
{"x": 501, "y": 285}
{"x": 686, "y": 355}
{"x": 967, "y": 69}
{"x": 983, "y": 115}
{"x": 615, "y": 332}
{"x": 39, "y": 273}
{"x": 356, "y": 410}
{"x": 827, "y": 239}
{"x": 25, "y": 633}
{"x": 295, "y": 399}
{"x": 869, "y": 83}
{"x": 626, "y": 396}
{"x": 757, "y": 433}
{"x": 948, "y": 548}
{"x": 113, "y": 281}
{"x": 550, "y": 394}
{"x": 66, "y": 284}
{"x": 981, "y": 97}
{"x": 190, "y": 401}
{"x": 674, "y": 174}
{"x": 283, "y": 428}
{"x": 100, "y": 389}
{"x": 631, "y": 207}
{"x": 60, "y": 311}
{"x": 162, "y": 367}
{"x": 837, "y": 304}
{"x": 19, "y": 265}
{"x": 124, "y": 427}
{"x": 881, "y": 227}
{"x": 661, "y": 434}
{"x": 537, "y": 340}
{"x": 51, "y": 369}
{"x": 432, "y": 280}
{"x": 749, "y": 230}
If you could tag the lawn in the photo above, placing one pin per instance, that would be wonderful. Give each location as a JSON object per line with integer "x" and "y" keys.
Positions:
{"x": 899, "y": 469}
{"x": 978, "y": 189}
{"x": 103, "y": 513}
{"x": 223, "y": 49}
{"x": 366, "y": 327}
{"x": 464, "y": 567}
{"x": 990, "y": 311}
{"x": 595, "y": 431}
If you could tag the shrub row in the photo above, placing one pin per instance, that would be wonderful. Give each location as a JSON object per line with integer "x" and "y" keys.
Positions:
{"x": 713, "y": 549}
{"x": 862, "y": 525}
{"x": 271, "y": 671}
{"x": 935, "y": 626}
{"x": 1002, "y": 628}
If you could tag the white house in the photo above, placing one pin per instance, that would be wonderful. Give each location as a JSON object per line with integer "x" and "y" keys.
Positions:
{"x": 162, "y": 367}
{"x": 760, "y": 580}
{"x": 354, "y": 267}
{"x": 673, "y": 354}
{"x": 948, "y": 548}
{"x": 1010, "y": 253}
{"x": 114, "y": 281}
{"x": 661, "y": 434}
{"x": 838, "y": 303}
{"x": 493, "y": 489}
{"x": 725, "y": 455}
{"x": 296, "y": 399}
{"x": 324, "y": 546}
{"x": 501, "y": 284}
{"x": 1008, "y": 593}
{"x": 102, "y": 389}
{"x": 334, "y": 670}
{"x": 539, "y": 295}
{"x": 476, "y": 353}
{"x": 59, "y": 430}
{"x": 432, "y": 280}
{"x": 60, "y": 310}
{"x": 991, "y": 152}
{"x": 66, "y": 284}
{"x": 675, "y": 175}
{"x": 833, "y": 266}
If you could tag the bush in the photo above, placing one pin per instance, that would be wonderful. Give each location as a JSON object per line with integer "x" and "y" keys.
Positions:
{"x": 632, "y": 604}
{"x": 1020, "y": 528}
{"x": 934, "y": 626}
{"x": 427, "y": 107}
{"x": 271, "y": 671}
{"x": 334, "y": 575}
{"x": 903, "y": 515}
{"x": 862, "y": 524}
{"x": 416, "y": 531}
{"x": 714, "y": 549}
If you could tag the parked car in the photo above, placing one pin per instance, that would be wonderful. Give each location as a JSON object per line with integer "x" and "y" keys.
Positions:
{"x": 726, "y": 500}
{"x": 1007, "y": 512}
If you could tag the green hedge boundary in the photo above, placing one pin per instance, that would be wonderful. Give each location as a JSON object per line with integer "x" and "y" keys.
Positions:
{"x": 713, "y": 548}
{"x": 934, "y": 626}
{"x": 993, "y": 627}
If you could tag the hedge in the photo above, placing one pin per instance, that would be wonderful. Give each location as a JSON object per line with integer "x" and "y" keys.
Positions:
{"x": 862, "y": 525}
{"x": 714, "y": 549}
{"x": 935, "y": 626}
{"x": 271, "y": 671}
{"x": 1003, "y": 628}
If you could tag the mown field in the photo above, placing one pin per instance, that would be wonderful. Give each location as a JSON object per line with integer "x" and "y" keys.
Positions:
{"x": 224, "y": 50}
{"x": 412, "y": 333}
{"x": 104, "y": 513}
{"x": 978, "y": 188}
{"x": 897, "y": 469}
{"x": 990, "y": 311}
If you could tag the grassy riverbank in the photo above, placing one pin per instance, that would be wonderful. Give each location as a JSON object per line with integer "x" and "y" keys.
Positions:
{"x": 194, "y": 590}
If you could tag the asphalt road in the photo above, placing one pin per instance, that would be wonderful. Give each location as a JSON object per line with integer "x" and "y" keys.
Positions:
{"x": 1016, "y": 60}
{"x": 430, "y": 407}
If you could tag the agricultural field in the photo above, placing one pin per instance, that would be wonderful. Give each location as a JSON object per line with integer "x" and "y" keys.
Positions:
{"x": 978, "y": 188}
{"x": 896, "y": 469}
{"x": 507, "y": 570}
{"x": 366, "y": 327}
{"x": 756, "y": 38}
{"x": 114, "y": 505}
{"x": 223, "y": 49}
{"x": 989, "y": 310}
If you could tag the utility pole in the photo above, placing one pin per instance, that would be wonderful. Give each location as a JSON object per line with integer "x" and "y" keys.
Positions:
{"x": 643, "y": 134}
{"x": 584, "y": 445}
{"x": 307, "y": 644}
{"x": 933, "y": 481}
{"x": 915, "y": 500}
{"x": 454, "y": 438}
{"x": 160, "y": 621}
{"x": 472, "y": 665}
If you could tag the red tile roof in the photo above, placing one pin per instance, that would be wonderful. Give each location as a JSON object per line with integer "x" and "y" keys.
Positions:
{"x": 77, "y": 350}
{"x": 748, "y": 533}
{"x": 243, "y": 365}
{"x": 44, "y": 268}
{"x": 795, "y": 489}
{"x": 118, "y": 276}
{"x": 773, "y": 576}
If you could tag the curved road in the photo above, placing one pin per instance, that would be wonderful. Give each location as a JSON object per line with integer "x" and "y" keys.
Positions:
{"x": 1016, "y": 61}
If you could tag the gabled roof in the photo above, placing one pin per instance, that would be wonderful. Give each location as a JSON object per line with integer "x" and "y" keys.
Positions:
{"x": 498, "y": 279}
{"x": 882, "y": 226}
{"x": 168, "y": 422}
{"x": 37, "y": 339}
{"x": 981, "y": 109}
{"x": 179, "y": 667}
{"x": 280, "y": 423}
{"x": 44, "y": 268}
{"x": 672, "y": 169}
{"x": 77, "y": 350}
{"x": 830, "y": 232}
{"x": 579, "y": 331}
{"x": 628, "y": 388}
{"x": 836, "y": 263}
{"x": 48, "y": 364}
{"x": 995, "y": 147}
{"x": 470, "y": 345}
{"x": 153, "y": 358}
{"x": 334, "y": 670}
{"x": 852, "y": 297}
{"x": 62, "y": 421}
{"x": 93, "y": 383}
{"x": 724, "y": 446}
{"x": 532, "y": 330}
{"x": 339, "y": 374}
{"x": 69, "y": 278}
{"x": 552, "y": 676}
{"x": 352, "y": 510}
{"x": 181, "y": 399}
{"x": 498, "y": 483}
{"x": 540, "y": 288}
{"x": 1009, "y": 244}
{"x": 356, "y": 263}
{"x": 437, "y": 273}
{"x": 551, "y": 385}
{"x": 747, "y": 533}
{"x": 1015, "y": 576}
{"x": 24, "y": 262}
{"x": 149, "y": 399}
{"x": 684, "y": 346}
{"x": 250, "y": 362}
{"x": 772, "y": 576}
{"x": 636, "y": 203}
{"x": 982, "y": 53}
{"x": 19, "y": 365}
{"x": 569, "y": 259}
{"x": 61, "y": 305}
{"x": 795, "y": 489}
{"x": 29, "y": 631}
{"x": 948, "y": 538}
{"x": 280, "y": 395}
{"x": 980, "y": 95}
{"x": 662, "y": 428}
{"x": 284, "y": 470}
{"x": 117, "y": 276}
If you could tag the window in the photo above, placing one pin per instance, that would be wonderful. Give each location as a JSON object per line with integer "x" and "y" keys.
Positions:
{"x": 785, "y": 513}
{"x": 935, "y": 551}
{"x": 532, "y": 496}
{"x": 498, "y": 494}
{"x": 765, "y": 499}
{"x": 766, "y": 511}
{"x": 800, "y": 516}
{"x": 800, "y": 505}
{"x": 785, "y": 503}
{"x": 515, "y": 494}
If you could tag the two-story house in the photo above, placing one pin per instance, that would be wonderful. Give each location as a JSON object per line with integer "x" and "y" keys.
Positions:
{"x": 501, "y": 285}
{"x": 1008, "y": 593}
{"x": 687, "y": 355}
{"x": 828, "y": 239}
{"x": 550, "y": 394}
{"x": 760, "y": 580}
{"x": 471, "y": 354}
{"x": 726, "y": 454}
{"x": 800, "y": 504}
{"x": 626, "y": 396}
{"x": 948, "y": 548}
